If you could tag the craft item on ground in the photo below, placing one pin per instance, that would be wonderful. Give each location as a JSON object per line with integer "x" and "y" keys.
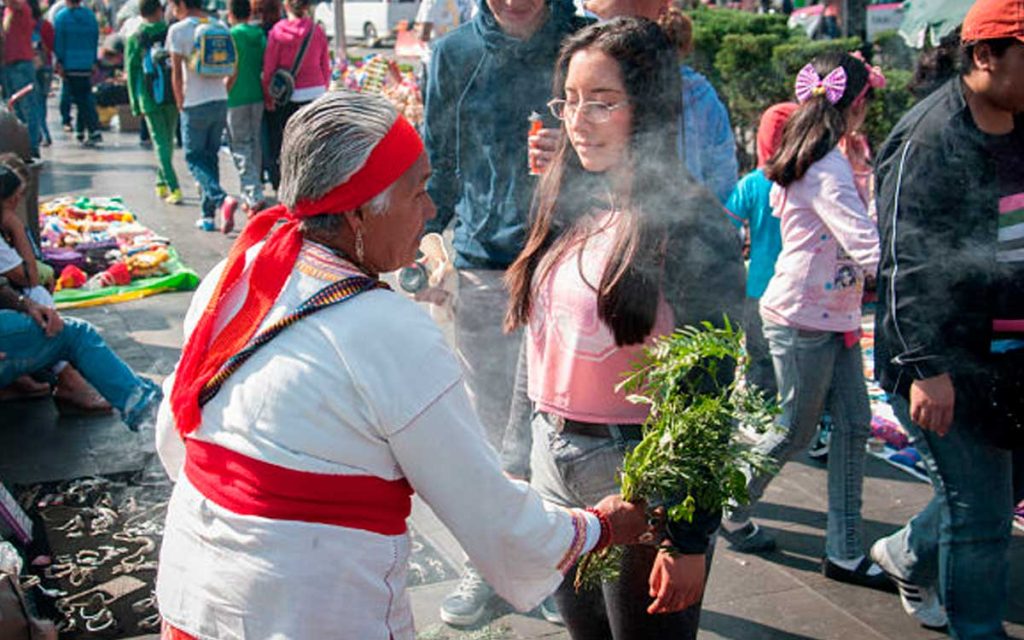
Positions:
{"x": 101, "y": 237}
{"x": 71, "y": 278}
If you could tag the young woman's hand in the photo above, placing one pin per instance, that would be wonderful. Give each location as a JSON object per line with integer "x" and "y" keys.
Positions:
{"x": 677, "y": 581}
{"x": 542, "y": 147}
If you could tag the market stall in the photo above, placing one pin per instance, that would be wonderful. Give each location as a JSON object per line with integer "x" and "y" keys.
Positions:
{"x": 103, "y": 254}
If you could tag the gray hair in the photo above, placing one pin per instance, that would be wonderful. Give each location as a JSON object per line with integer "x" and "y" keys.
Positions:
{"x": 328, "y": 141}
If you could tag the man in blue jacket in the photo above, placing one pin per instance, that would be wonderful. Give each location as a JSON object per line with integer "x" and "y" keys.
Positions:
{"x": 76, "y": 36}
{"x": 484, "y": 80}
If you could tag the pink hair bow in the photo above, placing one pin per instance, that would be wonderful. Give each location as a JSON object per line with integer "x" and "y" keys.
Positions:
{"x": 810, "y": 84}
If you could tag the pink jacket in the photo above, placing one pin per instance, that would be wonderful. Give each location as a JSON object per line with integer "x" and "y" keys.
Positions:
{"x": 828, "y": 244}
{"x": 283, "y": 45}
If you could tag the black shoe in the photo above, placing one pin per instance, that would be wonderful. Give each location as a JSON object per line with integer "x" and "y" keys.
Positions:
{"x": 859, "y": 576}
{"x": 749, "y": 539}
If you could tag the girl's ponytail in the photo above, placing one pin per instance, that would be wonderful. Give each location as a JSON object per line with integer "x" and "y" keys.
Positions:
{"x": 827, "y": 88}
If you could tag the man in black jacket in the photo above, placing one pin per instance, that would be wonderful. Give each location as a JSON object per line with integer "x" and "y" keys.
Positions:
{"x": 951, "y": 315}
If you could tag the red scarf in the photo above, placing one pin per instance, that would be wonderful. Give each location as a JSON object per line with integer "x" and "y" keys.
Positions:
{"x": 203, "y": 353}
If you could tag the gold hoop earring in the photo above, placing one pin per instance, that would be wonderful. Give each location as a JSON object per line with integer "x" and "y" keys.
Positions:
{"x": 359, "y": 246}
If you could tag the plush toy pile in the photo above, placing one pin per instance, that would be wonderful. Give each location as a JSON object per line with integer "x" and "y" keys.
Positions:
{"x": 376, "y": 73}
{"x": 102, "y": 253}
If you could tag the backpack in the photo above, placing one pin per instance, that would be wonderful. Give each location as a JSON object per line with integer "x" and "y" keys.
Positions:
{"x": 156, "y": 69}
{"x": 213, "y": 51}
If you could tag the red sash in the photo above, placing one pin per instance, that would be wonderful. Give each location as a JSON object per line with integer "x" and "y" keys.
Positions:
{"x": 251, "y": 487}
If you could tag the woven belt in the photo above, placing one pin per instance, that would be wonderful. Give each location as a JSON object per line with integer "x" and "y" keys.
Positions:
{"x": 594, "y": 429}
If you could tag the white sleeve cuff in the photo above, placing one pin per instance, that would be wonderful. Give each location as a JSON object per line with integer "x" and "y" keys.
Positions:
{"x": 593, "y": 532}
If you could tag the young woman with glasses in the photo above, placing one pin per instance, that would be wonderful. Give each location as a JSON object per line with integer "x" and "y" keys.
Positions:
{"x": 623, "y": 247}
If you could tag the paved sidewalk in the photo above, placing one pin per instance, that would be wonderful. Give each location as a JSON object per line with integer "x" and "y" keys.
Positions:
{"x": 779, "y": 596}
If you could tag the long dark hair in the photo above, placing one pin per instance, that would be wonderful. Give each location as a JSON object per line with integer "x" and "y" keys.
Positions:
{"x": 816, "y": 127}
{"x": 628, "y": 293}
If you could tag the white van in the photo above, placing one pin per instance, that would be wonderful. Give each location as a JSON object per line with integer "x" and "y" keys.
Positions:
{"x": 368, "y": 20}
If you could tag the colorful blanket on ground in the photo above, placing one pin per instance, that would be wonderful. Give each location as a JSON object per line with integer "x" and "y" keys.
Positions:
{"x": 103, "y": 254}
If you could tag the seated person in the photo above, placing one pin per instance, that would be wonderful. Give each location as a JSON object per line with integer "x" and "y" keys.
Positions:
{"x": 34, "y": 337}
{"x": 19, "y": 266}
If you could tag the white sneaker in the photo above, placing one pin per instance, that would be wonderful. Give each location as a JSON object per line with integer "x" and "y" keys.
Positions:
{"x": 466, "y": 606}
{"x": 921, "y": 603}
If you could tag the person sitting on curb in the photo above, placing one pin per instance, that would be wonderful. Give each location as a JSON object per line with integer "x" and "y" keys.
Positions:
{"x": 34, "y": 337}
{"x": 34, "y": 279}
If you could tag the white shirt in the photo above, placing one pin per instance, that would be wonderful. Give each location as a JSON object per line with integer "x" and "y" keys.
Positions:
{"x": 198, "y": 89}
{"x": 367, "y": 387}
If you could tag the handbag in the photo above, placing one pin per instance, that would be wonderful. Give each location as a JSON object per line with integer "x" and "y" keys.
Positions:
{"x": 282, "y": 82}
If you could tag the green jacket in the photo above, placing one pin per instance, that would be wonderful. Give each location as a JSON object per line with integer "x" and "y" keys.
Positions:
{"x": 138, "y": 96}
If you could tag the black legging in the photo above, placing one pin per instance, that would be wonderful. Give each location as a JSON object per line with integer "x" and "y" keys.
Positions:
{"x": 276, "y": 120}
{"x": 618, "y": 610}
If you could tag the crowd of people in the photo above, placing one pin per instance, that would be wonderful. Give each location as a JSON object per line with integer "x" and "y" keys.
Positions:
{"x": 310, "y": 401}
{"x": 277, "y": 64}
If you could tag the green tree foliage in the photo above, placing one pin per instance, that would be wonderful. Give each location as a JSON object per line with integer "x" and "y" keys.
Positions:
{"x": 752, "y": 60}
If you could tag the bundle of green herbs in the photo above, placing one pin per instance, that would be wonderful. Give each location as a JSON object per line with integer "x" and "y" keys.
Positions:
{"x": 691, "y": 456}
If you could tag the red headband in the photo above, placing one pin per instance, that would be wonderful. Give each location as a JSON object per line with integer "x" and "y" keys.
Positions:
{"x": 204, "y": 353}
{"x": 392, "y": 157}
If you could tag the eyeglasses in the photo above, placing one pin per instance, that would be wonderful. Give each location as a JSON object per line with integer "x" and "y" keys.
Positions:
{"x": 593, "y": 112}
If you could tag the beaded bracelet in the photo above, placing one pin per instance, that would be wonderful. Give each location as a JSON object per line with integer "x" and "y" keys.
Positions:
{"x": 606, "y": 529}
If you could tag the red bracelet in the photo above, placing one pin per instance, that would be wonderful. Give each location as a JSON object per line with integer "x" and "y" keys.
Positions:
{"x": 606, "y": 529}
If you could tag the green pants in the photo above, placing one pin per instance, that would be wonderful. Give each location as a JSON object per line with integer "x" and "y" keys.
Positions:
{"x": 162, "y": 122}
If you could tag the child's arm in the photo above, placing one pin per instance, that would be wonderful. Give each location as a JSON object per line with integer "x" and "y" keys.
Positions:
{"x": 27, "y": 275}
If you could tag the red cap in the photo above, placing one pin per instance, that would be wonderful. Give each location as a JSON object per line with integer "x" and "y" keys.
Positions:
{"x": 993, "y": 20}
{"x": 769, "y": 131}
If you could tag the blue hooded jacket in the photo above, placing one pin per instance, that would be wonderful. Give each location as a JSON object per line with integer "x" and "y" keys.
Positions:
{"x": 481, "y": 87}
{"x": 76, "y": 37}
{"x": 710, "y": 147}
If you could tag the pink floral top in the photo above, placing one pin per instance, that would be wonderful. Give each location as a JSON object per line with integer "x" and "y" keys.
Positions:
{"x": 828, "y": 244}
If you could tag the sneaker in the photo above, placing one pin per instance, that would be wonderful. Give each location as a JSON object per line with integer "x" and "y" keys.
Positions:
{"x": 174, "y": 197}
{"x": 206, "y": 224}
{"x": 227, "y": 214}
{"x": 67, "y": 127}
{"x": 95, "y": 138}
{"x": 819, "y": 446}
{"x": 749, "y": 539}
{"x": 921, "y": 603}
{"x": 549, "y": 611}
{"x": 162, "y": 191}
{"x": 80, "y": 137}
{"x": 465, "y": 606}
{"x": 862, "y": 576}
{"x": 142, "y": 405}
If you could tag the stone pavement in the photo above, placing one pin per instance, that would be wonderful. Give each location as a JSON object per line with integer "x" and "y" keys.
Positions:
{"x": 779, "y": 596}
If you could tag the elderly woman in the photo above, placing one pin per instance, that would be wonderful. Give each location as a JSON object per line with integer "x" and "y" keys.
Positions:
{"x": 296, "y": 451}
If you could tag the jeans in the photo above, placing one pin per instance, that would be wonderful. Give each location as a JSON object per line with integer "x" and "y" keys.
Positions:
{"x": 15, "y": 76}
{"x": 65, "y": 103}
{"x": 815, "y": 370}
{"x": 574, "y": 470}
{"x": 245, "y": 134}
{"x": 161, "y": 123}
{"x": 202, "y": 129}
{"x": 761, "y": 369}
{"x": 80, "y": 91}
{"x": 960, "y": 540}
{"x": 44, "y": 80}
{"x": 28, "y": 351}
{"x": 487, "y": 354}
